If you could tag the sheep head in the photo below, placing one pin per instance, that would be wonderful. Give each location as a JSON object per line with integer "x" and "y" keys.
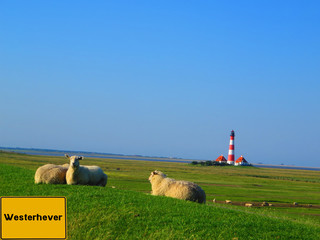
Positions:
{"x": 155, "y": 173}
{"x": 74, "y": 160}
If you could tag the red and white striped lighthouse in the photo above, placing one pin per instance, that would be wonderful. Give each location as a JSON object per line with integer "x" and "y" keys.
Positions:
{"x": 231, "y": 149}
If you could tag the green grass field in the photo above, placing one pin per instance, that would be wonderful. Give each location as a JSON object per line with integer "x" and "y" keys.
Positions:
{"x": 128, "y": 211}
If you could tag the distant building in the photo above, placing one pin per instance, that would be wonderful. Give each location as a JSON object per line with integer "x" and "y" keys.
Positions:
{"x": 221, "y": 159}
{"x": 241, "y": 161}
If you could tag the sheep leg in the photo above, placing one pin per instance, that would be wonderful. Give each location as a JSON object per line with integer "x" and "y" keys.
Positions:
{"x": 103, "y": 181}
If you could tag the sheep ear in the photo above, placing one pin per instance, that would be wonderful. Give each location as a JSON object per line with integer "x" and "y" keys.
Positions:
{"x": 80, "y": 158}
{"x": 67, "y": 156}
{"x": 155, "y": 172}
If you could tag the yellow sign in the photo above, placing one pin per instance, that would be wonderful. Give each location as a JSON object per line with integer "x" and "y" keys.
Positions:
{"x": 33, "y": 217}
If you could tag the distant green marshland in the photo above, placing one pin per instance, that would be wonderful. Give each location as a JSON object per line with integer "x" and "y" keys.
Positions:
{"x": 124, "y": 209}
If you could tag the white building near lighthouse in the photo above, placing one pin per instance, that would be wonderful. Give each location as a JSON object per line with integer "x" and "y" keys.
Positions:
{"x": 241, "y": 161}
{"x": 221, "y": 159}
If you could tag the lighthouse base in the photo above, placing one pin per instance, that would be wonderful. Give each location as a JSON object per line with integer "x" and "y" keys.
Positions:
{"x": 230, "y": 162}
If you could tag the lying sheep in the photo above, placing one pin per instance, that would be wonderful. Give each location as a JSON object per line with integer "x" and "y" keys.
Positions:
{"x": 51, "y": 174}
{"x": 84, "y": 175}
{"x": 163, "y": 186}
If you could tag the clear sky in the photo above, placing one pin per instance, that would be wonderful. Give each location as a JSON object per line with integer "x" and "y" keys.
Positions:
{"x": 163, "y": 78}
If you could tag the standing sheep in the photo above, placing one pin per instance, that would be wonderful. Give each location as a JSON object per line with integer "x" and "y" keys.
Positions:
{"x": 51, "y": 174}
{"x": 84, "y": 175}
{"x": 163, "y": 186}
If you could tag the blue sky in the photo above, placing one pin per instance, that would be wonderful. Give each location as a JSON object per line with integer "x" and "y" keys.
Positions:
{"x": 162, "y": 78}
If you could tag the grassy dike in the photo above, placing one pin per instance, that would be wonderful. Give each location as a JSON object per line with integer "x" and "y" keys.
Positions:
{"x": 127, "y": 212}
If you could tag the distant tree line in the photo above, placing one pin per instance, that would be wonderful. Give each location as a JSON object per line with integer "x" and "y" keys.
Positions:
{"x": 210, "y": 163}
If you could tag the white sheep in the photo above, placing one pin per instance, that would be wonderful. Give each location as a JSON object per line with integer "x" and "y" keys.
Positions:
{"x": 84, "y": 175}
{"x": 51, "y": 174}
{"x": 163, "y": 186}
